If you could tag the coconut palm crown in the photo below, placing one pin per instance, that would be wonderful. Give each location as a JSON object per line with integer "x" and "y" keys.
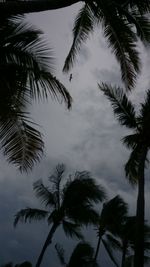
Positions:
{"x": 69, "y": 204}
{"x": 111, "y": 217}
{"x": 27, "y": 74}
{"x": 139, "y": 143}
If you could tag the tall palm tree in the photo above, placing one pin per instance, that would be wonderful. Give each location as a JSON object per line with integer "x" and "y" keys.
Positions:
{"x": 69, "y": 205}
{"x": 139, "y": 143}
{"x": 26, "y": 67}
{"x": 112, "y": 216}
{"x": 123, "y": 22}
{"x": 82, "y": 255}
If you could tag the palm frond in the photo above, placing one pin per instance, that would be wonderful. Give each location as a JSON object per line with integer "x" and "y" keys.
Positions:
{"x": 56, "y": 179}
{"x": 24, "y": 46}
{"x": 83, "y": 214}
{"x": 113, "y": 241}
{"x": 82, "y": 255}
{"x": 61, "y": 254}
{"x": 122, "y": 106}
{"x": 21, "y": 143}
{"x": 110, "y": 252}
{"x": 29, "y": 215}
{"x": 44, "y": 193}
{"x": 113, "y": 214}
{"x": 122, "y": 40}
{"x": 72, "y": 229}
{"x": 82, "y": 189}
{"x": 142, "y": 24}
{"x": 131, "y": 167}
{"x": 83, "y": 26}
{"x": 131, "y": 140}
{"x": 144, "y": 117}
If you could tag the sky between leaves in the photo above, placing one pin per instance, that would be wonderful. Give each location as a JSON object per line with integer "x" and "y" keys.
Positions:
{"x": 85, "y": 138}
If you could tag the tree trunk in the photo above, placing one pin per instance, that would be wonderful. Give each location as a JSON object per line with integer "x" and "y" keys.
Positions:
{"x": 20, "y": 7}
{"x": 97, "y": 248}
{"x": 124, "y": 254}
{"x": 46, "y": 244}
{"x": 140, "y": 213}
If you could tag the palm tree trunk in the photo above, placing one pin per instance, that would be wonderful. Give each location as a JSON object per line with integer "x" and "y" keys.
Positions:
{"x": 140, "y": 213}
{"x": 20, "y": 7}
{"x": 124, "y": 254}
{"x": 46, "y": 244}
{"x": 97, "y": 247}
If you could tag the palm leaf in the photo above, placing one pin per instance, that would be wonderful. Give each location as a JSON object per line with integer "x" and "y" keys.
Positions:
{"x": 82, "y": 189}
{"x": 122, "y": 40}
{"x": 131, "y": 167}
{"x": 72, "y": 229}
{"x": 21, "y": 143}
{"x": 60, "y": 253}
{"x": 23, "y": 45}
{"x": 44, "y": 193}
{"x": 82, "y": 255}
{"x": 113, "y": 241}
{"x": 29, "y": 215}
{"x": 83, "y": 26}
{"x": 83, "y": 214}
{"x": 131, "y": 140}
{"x": 113, "y": 214}
{"x": 110, "y": 252}
{"x": 122, "y": 107}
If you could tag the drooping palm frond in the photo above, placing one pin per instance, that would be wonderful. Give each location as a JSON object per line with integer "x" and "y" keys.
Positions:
{"x": 30, "y": 215}
{"x": 82, "y": 189}
{"x": 83, "y": 214}
{"x": 113, "y": 214}
{"x": 21, "y": 143}
{"x": 131, "y": 167}
{"x": 122, "y": 106}
{"x": 61, "y": 254}
{"x": 82, "y": 255}
{"x": 72, "y": 229}
{"x": 135, "y": 18}
{"x": 24, "y": 46}
{"x": 44, "y": 194}
{"x": 113, "y": 241}
{"x": 122, "y": 40}
{"x": 144, "y": 117}
{"x": 131, "y": 141}
{"x": 83, "y": 26}
{"x": 110, "y": 252}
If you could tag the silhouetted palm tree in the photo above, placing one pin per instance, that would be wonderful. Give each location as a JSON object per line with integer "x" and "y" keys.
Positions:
{"x": 123, "y": 23}
{"x": 139, "y": 143}
{"x": 127, "y": 235}
{"x": 82, "y": 255}
{"x": 70, "y": 205}
{"x": 26, "y": 68}
{"x": 112, "y": 216}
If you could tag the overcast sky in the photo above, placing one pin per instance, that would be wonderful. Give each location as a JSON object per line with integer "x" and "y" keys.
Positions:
{"x": 84, "y": 138}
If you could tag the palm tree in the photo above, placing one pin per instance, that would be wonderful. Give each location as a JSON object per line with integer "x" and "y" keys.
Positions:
{"x": 123, "y": 25}
{"x": 70, "y": 205}
{"x": 26, "y": 67}
{"x": 127, "y": 241}
{"x": 82, "y": 255}
{"x": 139, "y": 143}
{"x": 112, "y": 216}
